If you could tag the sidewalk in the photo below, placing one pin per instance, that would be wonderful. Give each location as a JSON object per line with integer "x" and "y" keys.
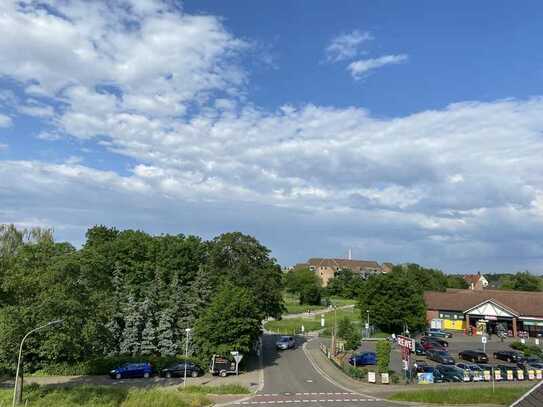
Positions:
{"x": 313, "y": 313}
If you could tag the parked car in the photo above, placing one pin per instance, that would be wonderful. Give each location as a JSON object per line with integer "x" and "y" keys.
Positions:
{"x": 419, "y": 350}
{"x": 428, "y": 342}
{"x": 476, "y": 372}
{"x": 285, "y": 342}
{"x": 424, "y": 368}
{"x": 474, "y": 356}
{"x": 141, "y": 369}
{"x": 440, "y": 356}
{"x": 508, "y": 355}
{"x": 532, "y": 361}
{"x": 178, "y": 370}
{"x": 365, "y": 358}
{"x": 438, "y": 333}
{"x": 504, "y": 368}
{"x": 450, "y": 373}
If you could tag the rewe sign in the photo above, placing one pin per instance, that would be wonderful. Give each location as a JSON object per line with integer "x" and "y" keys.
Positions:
{"x": 407, "y": 343}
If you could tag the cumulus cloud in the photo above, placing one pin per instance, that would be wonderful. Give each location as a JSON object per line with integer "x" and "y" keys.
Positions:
{"x": 346, "y": 46}
{"x": 5, "y": 121}
{"x": 361, "y": 67}
{"x": 146, "y": 81}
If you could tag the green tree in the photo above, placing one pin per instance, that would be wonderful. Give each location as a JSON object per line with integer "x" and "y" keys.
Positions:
{"x": 454, "y": 281}
{"x": 348, "y": 332}
{"x": 346, "y": 284}
{"x": 244, "y": 262}
{"x": 426, "y": 278}
{"x": 383, "y": 349}
{"x": 394, "y": 299}
{"x": 522, "y": 281}
{"x": 231, "y": 322}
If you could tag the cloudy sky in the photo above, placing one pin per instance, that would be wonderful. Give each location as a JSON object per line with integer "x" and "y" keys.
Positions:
{"x": 407, "y": 131}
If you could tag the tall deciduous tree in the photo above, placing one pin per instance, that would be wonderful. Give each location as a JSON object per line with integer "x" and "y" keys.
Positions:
{"x": 232, "y": 322}
{"x": 394, "y": 300}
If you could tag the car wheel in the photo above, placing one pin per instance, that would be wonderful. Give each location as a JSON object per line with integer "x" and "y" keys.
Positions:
{"x": 194, "y": 373}
{"x": 169, "y": 375}
{"x": 146, "y": 375}
{"x": 118, "y": 376}
{"x": 222, "y": 373}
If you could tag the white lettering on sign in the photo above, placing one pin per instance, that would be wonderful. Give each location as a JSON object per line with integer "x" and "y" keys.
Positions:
{"x": 406, "y": 342}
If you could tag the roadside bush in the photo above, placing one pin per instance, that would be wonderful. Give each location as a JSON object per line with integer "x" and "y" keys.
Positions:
{"x": 383, "y": 349}
{"x": 221, "y": 389}
{"x": 528, "y": 350}
{"x": 359, "y": 373}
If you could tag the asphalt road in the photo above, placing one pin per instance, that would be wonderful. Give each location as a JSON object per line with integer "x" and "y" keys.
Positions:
{"x": 290, "y": 378}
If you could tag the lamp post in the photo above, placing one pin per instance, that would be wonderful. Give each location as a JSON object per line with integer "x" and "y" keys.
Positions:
{"x": 18, "y": 388}
{"x": 368, "y": 324}
{"x": 187, "y": 330}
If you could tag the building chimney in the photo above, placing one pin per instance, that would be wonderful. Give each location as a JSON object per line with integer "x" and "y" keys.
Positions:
{"x": 350, "y": 254}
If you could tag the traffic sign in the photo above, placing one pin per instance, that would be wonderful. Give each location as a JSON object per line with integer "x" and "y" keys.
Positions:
{"x": 483, "y": 339}
{"x": 238, "y": 358}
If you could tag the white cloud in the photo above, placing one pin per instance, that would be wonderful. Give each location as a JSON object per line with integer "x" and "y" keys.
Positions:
{"x": 346, "y": 46}
{"x": 359, "y": 68}
{"x": 430, "y": 187}
{"x": 5, "y": 121}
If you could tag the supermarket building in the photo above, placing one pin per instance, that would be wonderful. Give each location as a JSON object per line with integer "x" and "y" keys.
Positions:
{"x": 486, "y": 310}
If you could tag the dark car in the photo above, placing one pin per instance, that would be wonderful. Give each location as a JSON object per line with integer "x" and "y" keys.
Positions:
{"x": 433, "y": 332}
{"x": 475, "y": 372}
{"x": 508, "y": 355}
{"x": 178, "y": 370}
{"x": 285, "y": 342}
{"x": 440, "y": 356}
{"x": 142, "y": 369}
{"x": 428, "y": 342}
{"x": 424, "y": 368}
{"x": 504, "y": 368}
{"x": 531, "y": 361}
{"x": 474, "y": 356}
{"x": 365, "y": 358}
{"x": 419, "y": 350}
{"x": 450, "y": 373}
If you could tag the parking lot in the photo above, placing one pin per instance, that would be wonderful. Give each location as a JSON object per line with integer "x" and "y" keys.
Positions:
{"x": 459, "y": 342}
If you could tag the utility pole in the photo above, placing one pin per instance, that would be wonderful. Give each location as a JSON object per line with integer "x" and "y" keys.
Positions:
{"x": 368, "y": 324}
{"x": 187, "y": 330}
{"x": 18, "y": 388}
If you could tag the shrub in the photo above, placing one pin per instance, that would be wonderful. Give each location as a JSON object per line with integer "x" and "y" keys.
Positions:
{"x": 358, "y": 373}
{"x": 222, "y": 389}
{"x": 528, "y": 350}
{"x": 383, "y": 356}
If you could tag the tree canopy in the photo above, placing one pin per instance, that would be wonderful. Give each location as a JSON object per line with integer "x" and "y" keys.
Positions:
{"x": 306, "y": 284}
{"x": 394, "y": 300}
{"x": 127, "y": 292}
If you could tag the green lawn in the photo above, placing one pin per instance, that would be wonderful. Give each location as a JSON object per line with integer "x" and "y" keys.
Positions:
{"x": 293, "y": 304}
{"x": 104, "y": 396}
{"x": 294, "y": 325}
{"x": 477, "y": 395}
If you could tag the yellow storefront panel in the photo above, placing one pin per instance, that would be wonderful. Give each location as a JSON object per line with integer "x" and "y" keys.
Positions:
{"x": 453, "y": 324}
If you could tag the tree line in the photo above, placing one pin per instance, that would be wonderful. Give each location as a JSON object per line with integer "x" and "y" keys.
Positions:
{"x": 131, "y": 293}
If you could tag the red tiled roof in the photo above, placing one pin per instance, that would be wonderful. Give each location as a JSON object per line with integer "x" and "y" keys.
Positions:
{"x": 472, "y": 278}
{"x": 344, "y": 263}
{"x": 524, "y": 303}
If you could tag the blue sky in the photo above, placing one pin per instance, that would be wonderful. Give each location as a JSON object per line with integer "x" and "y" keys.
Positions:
{"x": 407, "y": 131}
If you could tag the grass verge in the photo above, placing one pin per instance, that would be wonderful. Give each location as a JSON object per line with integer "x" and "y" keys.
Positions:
{"x": 104, "y": 396}
{"x": 478, "y": 395}
{"x": 293, "y": 326}
{"x": 222, "y": 389}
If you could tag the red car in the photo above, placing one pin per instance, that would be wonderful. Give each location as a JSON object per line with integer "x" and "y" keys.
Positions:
{"x": 430, "y": 342}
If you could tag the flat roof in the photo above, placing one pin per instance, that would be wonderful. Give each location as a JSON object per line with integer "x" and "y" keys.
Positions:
{"x": 523, "y": 303}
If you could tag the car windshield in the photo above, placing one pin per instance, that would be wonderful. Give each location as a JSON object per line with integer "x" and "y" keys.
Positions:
{"x": 283, "y": 339}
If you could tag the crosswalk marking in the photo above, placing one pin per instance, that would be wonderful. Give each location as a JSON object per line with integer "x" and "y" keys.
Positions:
{"x": 307, "y": 401}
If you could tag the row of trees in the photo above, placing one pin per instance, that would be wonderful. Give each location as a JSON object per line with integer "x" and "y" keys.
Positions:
{"x": 130, "y": 293}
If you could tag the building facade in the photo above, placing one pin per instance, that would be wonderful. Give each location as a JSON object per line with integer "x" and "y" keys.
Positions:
{"x": 327, "y": 268}
{"x": 486, "y": 311}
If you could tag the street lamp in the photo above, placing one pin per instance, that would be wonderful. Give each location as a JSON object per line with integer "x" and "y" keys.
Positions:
{"x": 18, "y": 388}
{"x": 187, "y": 330}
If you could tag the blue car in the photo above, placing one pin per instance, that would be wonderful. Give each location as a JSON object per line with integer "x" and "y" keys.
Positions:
{"x": 365, "y": 358}
{"x": 143, "y": 369}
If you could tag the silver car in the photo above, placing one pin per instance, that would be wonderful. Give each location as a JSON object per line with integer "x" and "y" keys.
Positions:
{"x": 285, "y": 342}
